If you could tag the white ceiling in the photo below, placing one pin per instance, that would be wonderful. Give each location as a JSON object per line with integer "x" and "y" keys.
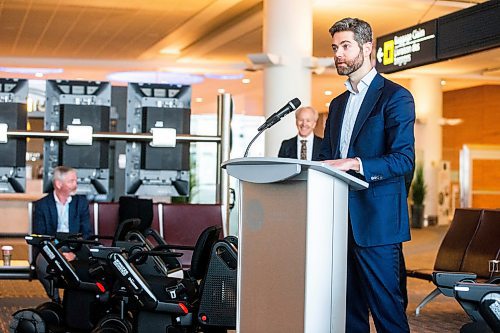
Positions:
{"x": 93, "y": 38}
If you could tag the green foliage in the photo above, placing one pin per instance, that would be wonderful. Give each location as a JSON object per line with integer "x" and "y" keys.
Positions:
{"x": 418, "y": 188}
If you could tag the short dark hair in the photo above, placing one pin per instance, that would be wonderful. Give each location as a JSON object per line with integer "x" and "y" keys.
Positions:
{"x": 361, "y": 29}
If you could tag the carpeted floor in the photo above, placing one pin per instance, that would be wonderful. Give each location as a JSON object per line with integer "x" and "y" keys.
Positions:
{"x": 440, "y": 316}
{"x": 18, "y": 294}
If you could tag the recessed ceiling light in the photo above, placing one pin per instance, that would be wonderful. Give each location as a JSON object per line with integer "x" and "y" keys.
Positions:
{"x": 245, "y": 81}
{"x": 443, "y": 82}
{"x": 198, "y": 99}
{"x": 328, "y": 92}
{"x": 38, "y": 74}
{"x": 221, "y": 91}
{"x": 224, "y": 76}
{"x": 170, "y": 51}
{"x": 28, "y": 70}
{"x": 155, "y": 77}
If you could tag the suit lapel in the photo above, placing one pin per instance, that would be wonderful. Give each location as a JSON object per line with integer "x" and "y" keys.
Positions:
{"x": 53, "y": 211}
{"x": 336, "y": 124}
{"x": 372, "y": 95}
{"x": 293, "y": 148}
{"x": 316, "y": 147}
{"x": 71, "y": 215}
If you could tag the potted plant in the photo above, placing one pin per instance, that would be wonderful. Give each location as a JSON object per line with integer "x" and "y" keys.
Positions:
{"x": 418, "y": 192}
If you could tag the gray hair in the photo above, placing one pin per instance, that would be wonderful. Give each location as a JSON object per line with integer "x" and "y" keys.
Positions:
{"x": 60, "y": 172}
{"x": 316, "y": 114}
{"x": 361, "y": 29}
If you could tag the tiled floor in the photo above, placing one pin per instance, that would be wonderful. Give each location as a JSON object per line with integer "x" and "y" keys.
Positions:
{"x": 440, "y": 316}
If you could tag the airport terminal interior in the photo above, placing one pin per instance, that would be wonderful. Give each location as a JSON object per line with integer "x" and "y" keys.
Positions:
{"x": 164, "y": 109}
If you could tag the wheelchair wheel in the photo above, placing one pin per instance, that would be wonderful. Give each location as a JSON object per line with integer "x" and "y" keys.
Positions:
{"x": 112, "y": 323}
{"x": 52, "y": 314}
{"x": 27, "y": 321}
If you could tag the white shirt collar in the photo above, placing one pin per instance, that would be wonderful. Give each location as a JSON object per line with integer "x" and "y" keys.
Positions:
{"x": 308, "y": 138}
{"x": 59, "y": 201}
{"x": 364, "y": 83}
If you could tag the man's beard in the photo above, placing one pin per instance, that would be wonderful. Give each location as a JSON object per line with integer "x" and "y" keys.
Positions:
{"x": 351, "y": 66}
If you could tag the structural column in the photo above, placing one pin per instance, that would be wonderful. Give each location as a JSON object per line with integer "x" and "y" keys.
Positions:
{"x": 428, "y": 134}
{"x": 287, "y": 34}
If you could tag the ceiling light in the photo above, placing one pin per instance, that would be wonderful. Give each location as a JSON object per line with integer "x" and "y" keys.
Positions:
{"x": 155, "y": 77}
{"x": 327, "y": 104}
{"x": 328, "y": 92}
{"x": 170, "y": 51}
{"x": 198, "y": 100}
{"x": 245, "y": 81}
{"x": 38, "y": 74}
{"x": 221, "y": 91}
{"x": 224, "y": 76}
{"x": 28, "y": 70}
{"x": 443, "y": 82}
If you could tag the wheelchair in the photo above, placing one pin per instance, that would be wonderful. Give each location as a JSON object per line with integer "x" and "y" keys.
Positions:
{"x": 83, "y": 304}
{"x": 135, "y": 236}
{"x": 203, "y": 300}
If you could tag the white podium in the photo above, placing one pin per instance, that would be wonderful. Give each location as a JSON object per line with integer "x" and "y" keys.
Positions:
{"x": 292, "y": 248}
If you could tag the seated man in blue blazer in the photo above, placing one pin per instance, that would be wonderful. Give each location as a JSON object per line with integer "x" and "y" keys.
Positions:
{"x": 305, "y": 145}
{"x": 60, "y": 211}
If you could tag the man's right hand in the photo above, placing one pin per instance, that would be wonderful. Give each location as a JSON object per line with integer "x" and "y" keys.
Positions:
{"x": 70, "y": 256}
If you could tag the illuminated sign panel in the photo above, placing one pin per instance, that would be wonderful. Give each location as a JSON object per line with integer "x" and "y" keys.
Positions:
{"x": 407, "y": 48}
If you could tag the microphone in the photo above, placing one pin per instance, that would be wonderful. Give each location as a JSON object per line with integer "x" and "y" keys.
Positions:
{"x": 289, "y": 107}
{"x": 274, "y": 118}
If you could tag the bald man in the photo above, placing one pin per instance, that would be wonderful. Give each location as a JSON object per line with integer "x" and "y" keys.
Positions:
{"x": 305, "y": 145}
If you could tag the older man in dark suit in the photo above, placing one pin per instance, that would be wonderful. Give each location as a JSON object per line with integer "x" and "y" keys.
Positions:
{"x": 305, "y": 145}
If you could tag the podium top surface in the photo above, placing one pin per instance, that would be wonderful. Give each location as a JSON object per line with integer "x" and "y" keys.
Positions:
{"x": 274, "y": 169}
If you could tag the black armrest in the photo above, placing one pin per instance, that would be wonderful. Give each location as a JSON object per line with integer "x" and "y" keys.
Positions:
{"x": 445, "y": 281}
{"x": 174, "y": 247}
{"x": 35, "y": 239}
{"x": 138, "y": 256}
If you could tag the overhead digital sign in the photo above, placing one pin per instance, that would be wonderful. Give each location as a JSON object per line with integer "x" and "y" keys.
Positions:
{"x": 413, "y": 46}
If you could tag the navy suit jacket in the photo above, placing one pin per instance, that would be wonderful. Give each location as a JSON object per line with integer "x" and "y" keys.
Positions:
{"x": 288, "y": 148}
{"x": 383, "y": 138}
{"x": 46, "y": 218}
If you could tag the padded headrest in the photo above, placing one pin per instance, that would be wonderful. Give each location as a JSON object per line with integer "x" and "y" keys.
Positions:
{"x": 135, "y": 208}
{"x": 202, "y": 251}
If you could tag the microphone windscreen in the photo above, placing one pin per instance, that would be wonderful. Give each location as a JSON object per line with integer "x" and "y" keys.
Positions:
{"x": 295, "y": 102}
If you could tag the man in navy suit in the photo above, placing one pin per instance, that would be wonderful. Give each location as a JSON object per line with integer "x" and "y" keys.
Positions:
{"x": 60, "y": 211}
{"x": 305, "y": 145}
{"x": 369, "y": 133}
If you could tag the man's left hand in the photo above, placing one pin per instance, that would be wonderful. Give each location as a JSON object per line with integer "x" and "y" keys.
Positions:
{"x": 344, "y": 164}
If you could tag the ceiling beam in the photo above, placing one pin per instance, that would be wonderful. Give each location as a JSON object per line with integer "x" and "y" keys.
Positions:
{"x": 189, "y": 32}
{"x": 249, "y": 23}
